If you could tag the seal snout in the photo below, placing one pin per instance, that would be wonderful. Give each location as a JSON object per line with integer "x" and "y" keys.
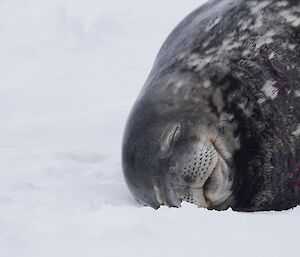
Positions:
{"x": 193, "y": 175}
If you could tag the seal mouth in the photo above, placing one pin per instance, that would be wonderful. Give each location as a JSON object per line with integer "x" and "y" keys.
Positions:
{"x": 196, "y": 194}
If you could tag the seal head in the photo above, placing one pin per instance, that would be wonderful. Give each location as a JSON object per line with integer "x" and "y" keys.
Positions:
{"x": 176, "y": 150}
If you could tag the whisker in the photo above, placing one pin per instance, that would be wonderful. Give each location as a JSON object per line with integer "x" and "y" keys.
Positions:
{"x": 204, "y": 143}
{"x": 211, "y": 145}
{"x": 190, "y": 187}
{"x": 177, "y": 185}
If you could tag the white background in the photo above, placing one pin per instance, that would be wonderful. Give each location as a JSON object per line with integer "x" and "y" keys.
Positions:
{"x": 70, "y": 71}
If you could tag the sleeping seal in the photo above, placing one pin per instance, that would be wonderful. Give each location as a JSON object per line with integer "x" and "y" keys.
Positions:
{"x": 217, "y": 123}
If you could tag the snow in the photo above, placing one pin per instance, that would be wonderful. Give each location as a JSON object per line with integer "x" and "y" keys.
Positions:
{"x": 70, "y": 71}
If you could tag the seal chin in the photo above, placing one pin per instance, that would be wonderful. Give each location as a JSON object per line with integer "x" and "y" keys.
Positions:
{"x": 205, "y": 179}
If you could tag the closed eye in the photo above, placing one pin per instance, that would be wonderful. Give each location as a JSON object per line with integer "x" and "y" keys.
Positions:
{"x": 170, "y": 140}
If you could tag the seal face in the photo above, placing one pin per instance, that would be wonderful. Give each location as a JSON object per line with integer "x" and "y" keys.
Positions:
{"x": 217, "y": 123}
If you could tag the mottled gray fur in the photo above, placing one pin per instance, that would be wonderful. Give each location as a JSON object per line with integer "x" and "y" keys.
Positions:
{"x": 226, "y": 80}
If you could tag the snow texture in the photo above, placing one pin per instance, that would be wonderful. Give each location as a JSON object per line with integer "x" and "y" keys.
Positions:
{"x": 70, "y": 71}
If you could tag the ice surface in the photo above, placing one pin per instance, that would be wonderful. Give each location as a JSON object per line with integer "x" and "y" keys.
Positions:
{"x": 70, "y": 71}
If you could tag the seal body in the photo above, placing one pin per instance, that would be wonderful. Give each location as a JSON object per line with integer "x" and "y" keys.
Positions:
{"x": 218, "y": 120}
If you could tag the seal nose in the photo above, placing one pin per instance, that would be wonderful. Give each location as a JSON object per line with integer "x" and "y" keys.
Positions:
{"x": 200, "y": 165}
{"x": 197, "y": 169}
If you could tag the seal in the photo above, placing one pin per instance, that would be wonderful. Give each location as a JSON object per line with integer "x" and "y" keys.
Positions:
{"x": 217, "y": 122}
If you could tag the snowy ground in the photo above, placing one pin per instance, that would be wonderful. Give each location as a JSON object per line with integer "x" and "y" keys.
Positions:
{"x": 70, "y": 71}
